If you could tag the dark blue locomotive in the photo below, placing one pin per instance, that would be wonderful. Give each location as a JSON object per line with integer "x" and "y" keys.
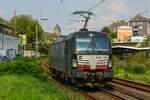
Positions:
{"x": 83, "y": 58}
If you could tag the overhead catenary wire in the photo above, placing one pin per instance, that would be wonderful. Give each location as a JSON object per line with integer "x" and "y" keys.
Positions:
{"x": 87, "y": 13}
{"x": 141, "y": 13}
{"x": 96, "y": 5}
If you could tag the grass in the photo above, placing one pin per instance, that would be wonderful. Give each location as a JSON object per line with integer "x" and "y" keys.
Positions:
{"x": 26, "y": 87}
{"x": 24, "y": 79}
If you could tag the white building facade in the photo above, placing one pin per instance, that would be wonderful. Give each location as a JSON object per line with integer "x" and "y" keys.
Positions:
{"x": 8, "y": 45}
{"x": 139, "y": 38}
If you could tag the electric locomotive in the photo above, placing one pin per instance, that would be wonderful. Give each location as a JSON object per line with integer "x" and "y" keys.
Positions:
{"x": 83, "y": 58}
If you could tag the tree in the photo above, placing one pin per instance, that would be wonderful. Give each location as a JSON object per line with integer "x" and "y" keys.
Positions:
{"x": 47, "y": 37}
{"x": 146, "y": 42}
{"x": 112, "y": 35}
{"x": 3, "y": 21}
{"x": 25, "y": 25}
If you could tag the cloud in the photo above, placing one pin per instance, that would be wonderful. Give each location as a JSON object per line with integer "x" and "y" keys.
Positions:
{"x": 111, "y": 12}
{"x": 118, "y": 7}
{"x": 107, "y": 18}
{"x": 105, "y": 14}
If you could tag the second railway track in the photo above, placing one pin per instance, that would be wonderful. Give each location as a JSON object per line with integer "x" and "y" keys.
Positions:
{"x": 131, "y": 88}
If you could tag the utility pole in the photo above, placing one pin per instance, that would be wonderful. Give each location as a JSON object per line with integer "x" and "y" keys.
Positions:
{"x": 36, "y": 29}
{"x": 41, "y": 18}
{"x": 149, "y": 46}
{"x": 36, "y": 38}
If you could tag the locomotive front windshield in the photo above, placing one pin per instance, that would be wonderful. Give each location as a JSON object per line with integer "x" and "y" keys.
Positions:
{"x": 83, "y": 44}
{"x": 94, "y": 43}
{"x": 101, "y": 44}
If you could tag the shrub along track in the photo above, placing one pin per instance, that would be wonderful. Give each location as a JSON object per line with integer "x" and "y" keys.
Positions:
{"x": 113, "y": 91}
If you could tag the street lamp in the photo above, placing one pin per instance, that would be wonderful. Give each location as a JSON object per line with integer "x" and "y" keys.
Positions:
{"x": 42, "y": 19}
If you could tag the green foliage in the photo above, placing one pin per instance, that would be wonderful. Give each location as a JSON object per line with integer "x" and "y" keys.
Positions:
{"x": 25, "y": 87}
{"x": 112, "y": 35}
{"x": 134, "y": 67}
{"x": 44, "y": 49}
{"x": 23, "y": 65}
{"x": 24, "y": 24}
{"x": 23, "y": 79}
{"x": 3, "y": 21}
{"x": 146, "y": 42}
{"x": 47, "y": 37}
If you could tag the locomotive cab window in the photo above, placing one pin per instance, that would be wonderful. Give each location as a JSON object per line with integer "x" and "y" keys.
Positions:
{"x": 101, "y": 44}
{"x": 92, "y": 43}
{"x": 84, "y": 44}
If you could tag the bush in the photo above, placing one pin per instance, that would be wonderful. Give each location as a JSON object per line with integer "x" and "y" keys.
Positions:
{"x": 43, "y": 49}
{"x": 135, "y": 68}
{"x": 23, "y": 65}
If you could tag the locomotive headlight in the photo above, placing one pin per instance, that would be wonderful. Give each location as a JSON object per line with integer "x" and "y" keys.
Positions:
{"x": 110, "y": 64}
{"x": 74, "y": 62}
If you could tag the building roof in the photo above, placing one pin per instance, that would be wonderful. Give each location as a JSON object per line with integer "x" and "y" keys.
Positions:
{"x": 118, "y": 24}
{"x": 7, "y": 29}
{"x": 130, "y": 48}
{"x": 140, "y": 18}
{"x": 7, "y": 26}
{"x": 57, "y": 28}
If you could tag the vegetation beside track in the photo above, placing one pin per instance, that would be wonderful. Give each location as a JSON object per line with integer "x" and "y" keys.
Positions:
{"x": 135, "y": 67}
{"x": 24, "y": 79}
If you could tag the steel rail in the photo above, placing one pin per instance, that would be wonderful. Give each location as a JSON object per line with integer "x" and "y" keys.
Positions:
{"x": 133, "y": 84}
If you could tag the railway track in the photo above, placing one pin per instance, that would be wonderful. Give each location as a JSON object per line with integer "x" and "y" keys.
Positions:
{"x": 117, "y": 89}
{"x": 104, "y": 95}
{"x": 133, "y": 84}
{"x": 131, "y": 88}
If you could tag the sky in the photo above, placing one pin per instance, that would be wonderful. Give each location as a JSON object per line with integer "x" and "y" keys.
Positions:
{"x": 59, "y": 12}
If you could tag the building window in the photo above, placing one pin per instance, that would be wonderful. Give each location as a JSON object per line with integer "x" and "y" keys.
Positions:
{"x": 141, "y": 23}
{"x": 133, "y": 23}
{"x": 141, "y": 27}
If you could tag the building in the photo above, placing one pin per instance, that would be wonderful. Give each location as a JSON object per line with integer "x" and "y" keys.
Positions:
{"x": 123, "y": 33}
{"x": 8, "y": 42}
{"x": 113, "y": 27}
{"x": 140, "y": 25}
{"x": 137, "y": 38}
{"x": 57, "y": 30}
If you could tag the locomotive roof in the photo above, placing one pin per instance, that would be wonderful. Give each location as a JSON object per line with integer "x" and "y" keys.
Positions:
{"x": 63, "y": 38}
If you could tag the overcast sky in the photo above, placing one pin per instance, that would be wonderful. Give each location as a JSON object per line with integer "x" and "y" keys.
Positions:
{"x": 58, "y": 12}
